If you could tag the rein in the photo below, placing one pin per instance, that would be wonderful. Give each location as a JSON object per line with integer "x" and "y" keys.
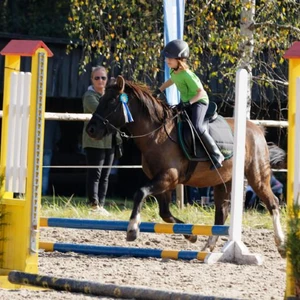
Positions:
{"x": 123, "y": 134}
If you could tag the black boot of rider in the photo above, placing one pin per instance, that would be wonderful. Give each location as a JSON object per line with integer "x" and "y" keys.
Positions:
{"x": 216, "y": 164}
{"x": 213, "y": 150}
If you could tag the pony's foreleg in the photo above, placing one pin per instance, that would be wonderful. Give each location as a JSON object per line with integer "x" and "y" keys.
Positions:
{"x": 164, "y": 201}
{"x": 158, "y": 185}
{"x": 264, "y": 192}
{"x": 135, "y": 218}
{"x": 278, "y": 232}
{"x": 273, "y": 208}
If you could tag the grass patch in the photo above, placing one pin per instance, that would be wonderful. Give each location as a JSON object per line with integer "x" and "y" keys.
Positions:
{"x": 120, "y": 209}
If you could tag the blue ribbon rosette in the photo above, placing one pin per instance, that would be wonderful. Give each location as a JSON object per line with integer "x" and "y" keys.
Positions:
{"x": 127, "y": 114}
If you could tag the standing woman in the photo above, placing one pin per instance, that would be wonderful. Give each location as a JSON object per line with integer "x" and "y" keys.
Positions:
{"x": 98, "y": 152}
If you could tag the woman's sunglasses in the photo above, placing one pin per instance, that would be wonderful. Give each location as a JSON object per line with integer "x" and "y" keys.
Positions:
{"x": 98, "y": 77}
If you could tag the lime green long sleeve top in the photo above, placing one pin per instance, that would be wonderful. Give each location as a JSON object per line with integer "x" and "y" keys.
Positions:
{"x": 188, "y": 84}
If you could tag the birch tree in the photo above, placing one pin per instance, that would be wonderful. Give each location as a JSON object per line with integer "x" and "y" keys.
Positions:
{"x": 247, "y": 44}
{"x": 270, "y": 27}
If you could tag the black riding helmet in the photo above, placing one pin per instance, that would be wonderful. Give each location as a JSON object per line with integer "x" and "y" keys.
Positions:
{"x": 176, "y": 49}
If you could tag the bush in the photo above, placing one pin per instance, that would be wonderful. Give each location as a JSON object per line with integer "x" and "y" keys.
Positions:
{"x": 293, "y": 245}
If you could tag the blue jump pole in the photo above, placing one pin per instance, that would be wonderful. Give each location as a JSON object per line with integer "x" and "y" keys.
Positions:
{"x": 122, "y": 251}
{"x": 167, "y": 228}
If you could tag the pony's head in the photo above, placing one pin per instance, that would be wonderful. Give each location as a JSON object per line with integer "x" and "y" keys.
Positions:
{"x": 122, "y": 102}
{"x": 109, "y": 114}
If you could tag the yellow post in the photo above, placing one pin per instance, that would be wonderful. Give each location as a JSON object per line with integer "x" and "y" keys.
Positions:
{"x": 293, "y": 54}
{"x": 19, "y": 235}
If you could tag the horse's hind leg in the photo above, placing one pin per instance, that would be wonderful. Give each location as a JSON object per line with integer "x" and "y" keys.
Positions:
{"x": 222, "y": 200}
{"x": 164, "y": 211}
{"x": 261, "y": 186}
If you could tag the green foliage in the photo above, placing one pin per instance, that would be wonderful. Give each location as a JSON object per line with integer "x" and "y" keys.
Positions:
{"x": 293, "y": 240}
{"x": 130, "y": 35}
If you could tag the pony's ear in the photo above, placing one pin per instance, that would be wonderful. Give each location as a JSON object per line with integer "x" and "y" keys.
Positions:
{"x": 121, "y": 84}
{"x": 112, "y": 80}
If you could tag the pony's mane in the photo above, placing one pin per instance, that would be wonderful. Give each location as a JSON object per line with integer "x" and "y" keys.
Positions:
{"x": 156, "y": 109}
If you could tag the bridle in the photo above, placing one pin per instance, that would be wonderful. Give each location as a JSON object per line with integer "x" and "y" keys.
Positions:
{"x": 107, "y": 124}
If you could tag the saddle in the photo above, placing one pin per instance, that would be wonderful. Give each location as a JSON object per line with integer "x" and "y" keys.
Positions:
{"x": 217, "y": 127}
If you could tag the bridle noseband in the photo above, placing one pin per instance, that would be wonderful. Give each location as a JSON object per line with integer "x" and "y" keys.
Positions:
{"x": 108, "y": 125}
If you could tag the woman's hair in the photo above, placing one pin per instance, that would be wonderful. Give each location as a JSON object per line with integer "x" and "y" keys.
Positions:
{"x": 97, "y": 68}
{"x": 182, "y": 64}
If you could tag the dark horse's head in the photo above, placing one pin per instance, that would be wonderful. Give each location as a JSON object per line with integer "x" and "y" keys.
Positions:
{"x": 109, "y": 113}
{"x": 121, "y": 101}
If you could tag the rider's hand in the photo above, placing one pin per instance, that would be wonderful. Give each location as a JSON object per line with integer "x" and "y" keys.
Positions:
{"x": 157, "y": 93}
{"x": 183, "y": 105}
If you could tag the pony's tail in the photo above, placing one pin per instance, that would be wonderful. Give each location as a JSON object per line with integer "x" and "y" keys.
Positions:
{"x": 278, "y": 158}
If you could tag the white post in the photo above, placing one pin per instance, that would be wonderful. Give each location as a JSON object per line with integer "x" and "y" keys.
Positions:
{"x": 24, "y": 132}
{"x": 237, "y": 191}
{"x": 234, "y": 250}
{"x": 18, "y": 120}
{"x": 173, "y": 29}
{"x": 17, "y": 133}
{"x": 11, "y": 131}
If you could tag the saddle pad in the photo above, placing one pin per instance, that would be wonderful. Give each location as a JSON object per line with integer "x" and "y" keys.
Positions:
{"x": 220, "y": 132}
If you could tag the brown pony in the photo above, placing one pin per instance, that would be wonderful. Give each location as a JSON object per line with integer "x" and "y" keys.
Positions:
{"x": 155, "y": 132}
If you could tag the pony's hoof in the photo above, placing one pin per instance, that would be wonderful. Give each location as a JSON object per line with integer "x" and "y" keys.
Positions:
{"x": 206, "y": 249}
{"x": 131, "y": 235}
{"x": 191, "y": 238}
{"x": 281, "y": 247}
{"x": 282, "y": 251}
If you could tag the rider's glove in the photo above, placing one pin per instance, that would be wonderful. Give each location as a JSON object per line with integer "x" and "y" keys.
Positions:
{"x": 183, "y": 105}
{"x": 157, "y": 93}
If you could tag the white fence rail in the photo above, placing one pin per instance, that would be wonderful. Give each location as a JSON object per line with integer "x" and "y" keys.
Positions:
{"x": 87, "y": 117}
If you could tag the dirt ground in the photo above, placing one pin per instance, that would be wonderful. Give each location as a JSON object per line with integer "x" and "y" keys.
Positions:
{"x": 229, "y": 280}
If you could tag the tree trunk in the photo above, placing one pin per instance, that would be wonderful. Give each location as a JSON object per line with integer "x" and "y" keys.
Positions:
{"x": 247, "y": 44}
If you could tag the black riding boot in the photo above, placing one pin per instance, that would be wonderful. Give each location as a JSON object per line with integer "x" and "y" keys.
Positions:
{"x": 213, "y": 150}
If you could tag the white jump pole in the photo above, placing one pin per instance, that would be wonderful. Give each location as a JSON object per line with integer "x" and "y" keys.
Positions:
{"x": 235, "y": 250}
